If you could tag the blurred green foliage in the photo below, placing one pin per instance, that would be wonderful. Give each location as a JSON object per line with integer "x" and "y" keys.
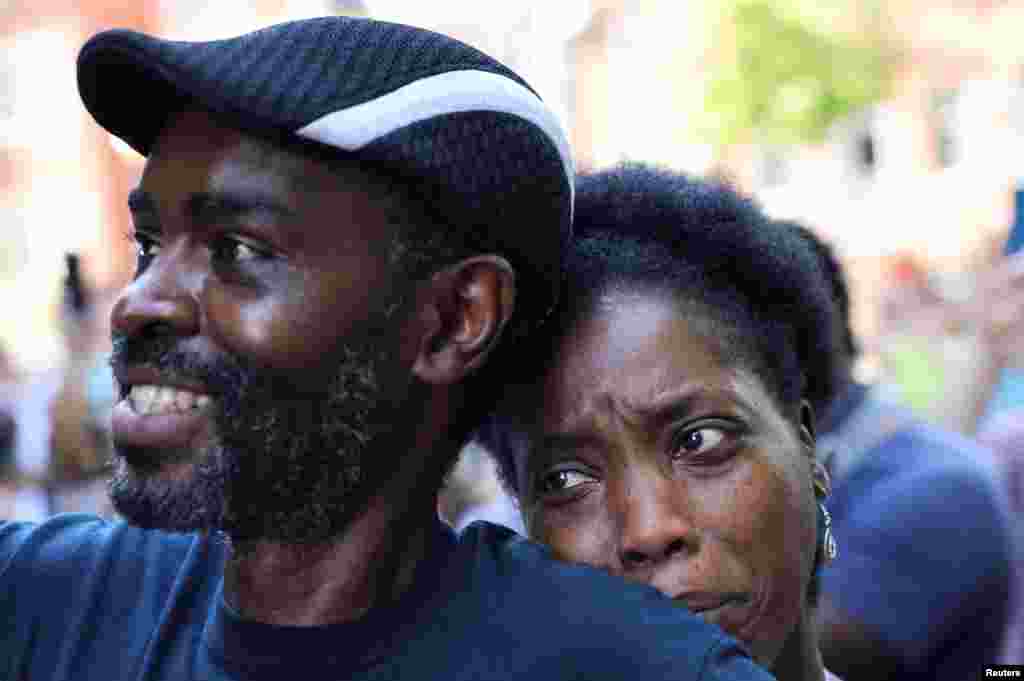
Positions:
{"x": 785, "y": 70}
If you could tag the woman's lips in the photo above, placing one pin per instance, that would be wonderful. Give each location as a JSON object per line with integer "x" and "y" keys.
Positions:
{"x": 727, "y": 610}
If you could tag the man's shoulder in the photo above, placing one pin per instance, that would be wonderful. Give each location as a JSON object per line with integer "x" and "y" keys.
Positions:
{"x": 54, "y": 544}
{"x": 91, "y": 591}
{"x": 498, "y": 553}
{"x": 68, "y": 548}
{"x": 576, "y": 613}
{"x": 76, "y": 535}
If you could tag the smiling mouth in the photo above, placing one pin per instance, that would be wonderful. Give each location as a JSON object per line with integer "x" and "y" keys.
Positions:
{"x": 150, "y": 400}
{"x": 156, "y": 416}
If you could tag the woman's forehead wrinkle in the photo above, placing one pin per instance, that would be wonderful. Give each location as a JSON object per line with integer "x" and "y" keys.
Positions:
{"x": 574, "y": 415}
{"x": 598, "y": 409}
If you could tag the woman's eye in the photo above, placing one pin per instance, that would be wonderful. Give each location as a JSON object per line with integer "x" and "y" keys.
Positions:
{"x": 698, "y": 441}
{"x": 560, "y": 481}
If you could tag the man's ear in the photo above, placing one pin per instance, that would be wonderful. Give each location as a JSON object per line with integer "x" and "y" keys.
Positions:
{"x": 464, "y": 311}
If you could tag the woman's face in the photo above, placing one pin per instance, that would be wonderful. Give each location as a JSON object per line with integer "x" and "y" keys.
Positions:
{"x": 653, "y": 459}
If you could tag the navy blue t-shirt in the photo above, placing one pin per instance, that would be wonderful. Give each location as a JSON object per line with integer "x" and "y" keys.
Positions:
{"x": 925, "y": 552}
{"x": 86, "y": 599}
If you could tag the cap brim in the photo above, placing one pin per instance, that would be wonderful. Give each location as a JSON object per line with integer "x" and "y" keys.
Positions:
{"x": 131, "y": 83}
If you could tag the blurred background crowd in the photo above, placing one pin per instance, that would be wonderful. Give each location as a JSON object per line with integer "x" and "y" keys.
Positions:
{"x": 892, "y": 128}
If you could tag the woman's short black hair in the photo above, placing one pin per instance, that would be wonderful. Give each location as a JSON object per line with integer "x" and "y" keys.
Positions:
{"x": 833, "y": 270}
{"x": 757, "y": 281}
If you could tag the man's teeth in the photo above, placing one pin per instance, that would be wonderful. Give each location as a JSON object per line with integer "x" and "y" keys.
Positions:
{"x": 162, "y": 399}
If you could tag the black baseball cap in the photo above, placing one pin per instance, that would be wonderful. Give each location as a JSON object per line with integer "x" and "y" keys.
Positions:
{"x": 470, "y": 137}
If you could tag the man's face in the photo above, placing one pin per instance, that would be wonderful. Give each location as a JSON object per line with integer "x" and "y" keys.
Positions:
{"x": 256, "y": 351}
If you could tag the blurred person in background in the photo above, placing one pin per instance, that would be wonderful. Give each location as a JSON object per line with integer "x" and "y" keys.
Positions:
{"x": 80, "y": 413}
{"x": 996, "y": 317}
{"x": 25, "y": 400}
{"x": 8, "y": 470}
{"x": 922, "y": 587}
{"x": 62, "y": 415}
{"x": 1004, "y": 434}
{"x": 999, "y": 319}
{"x": 665, "y": 433}
{"x": 911, "y": 329}
{"x": 950, "y": 342}
{"x": 989, "y": 325}
{"x": 344, "y": 229}
{"x": 8, "y": 437}
{"x": 473, "y": 491}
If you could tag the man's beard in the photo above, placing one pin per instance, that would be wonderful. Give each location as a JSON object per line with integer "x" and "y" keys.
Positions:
{"x": 296, "y": 454}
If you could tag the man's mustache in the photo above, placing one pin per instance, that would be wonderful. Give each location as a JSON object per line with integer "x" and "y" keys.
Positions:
{"x": 163, "y": 355}
{"x": 225, "y": 376}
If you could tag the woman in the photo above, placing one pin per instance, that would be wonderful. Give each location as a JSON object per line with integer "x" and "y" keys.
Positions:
{"x": 668, "y": 435}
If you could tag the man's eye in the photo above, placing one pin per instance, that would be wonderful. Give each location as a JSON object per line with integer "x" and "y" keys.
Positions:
{"x": 560, "y": 481}
{"x": 233, "y": 251}
{"x": 147, "y": 247}
{"x": 697, "y": 441}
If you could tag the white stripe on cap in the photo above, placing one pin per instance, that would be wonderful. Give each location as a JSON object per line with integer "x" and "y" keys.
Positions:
{"x": 445, "y": 93}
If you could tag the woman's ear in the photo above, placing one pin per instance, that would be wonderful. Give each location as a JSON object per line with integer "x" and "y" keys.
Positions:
{"x": 463, "y": 312}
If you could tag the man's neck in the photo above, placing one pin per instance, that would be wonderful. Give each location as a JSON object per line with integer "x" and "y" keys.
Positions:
{"x": 310, "y": 585}
{"x": 374, "y": 559}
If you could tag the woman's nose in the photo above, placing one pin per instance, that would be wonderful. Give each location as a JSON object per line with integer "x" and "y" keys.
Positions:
{"x": 655, "y": 524}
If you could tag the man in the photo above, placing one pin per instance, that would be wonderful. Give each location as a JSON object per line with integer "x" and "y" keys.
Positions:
{"x": 343, "y": 226}
{"x": 920, "y": 587}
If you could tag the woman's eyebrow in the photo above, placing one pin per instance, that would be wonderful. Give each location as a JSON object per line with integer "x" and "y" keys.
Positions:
{"x": 678, "y": 404}
{"x": 668, "y": 405}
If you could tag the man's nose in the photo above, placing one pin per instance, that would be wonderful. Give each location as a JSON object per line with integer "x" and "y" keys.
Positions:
{"x": 655, "y": 523}
{"x": 162, "y": 300}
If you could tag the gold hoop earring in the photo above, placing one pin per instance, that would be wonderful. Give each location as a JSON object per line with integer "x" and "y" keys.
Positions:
{"x": 822, "y": 487}
{"x": 831, "y": 550}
